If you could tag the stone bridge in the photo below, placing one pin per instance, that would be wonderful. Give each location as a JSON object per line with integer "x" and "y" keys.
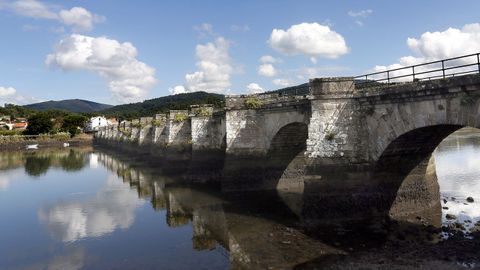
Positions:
{"x": 357, "y": 145}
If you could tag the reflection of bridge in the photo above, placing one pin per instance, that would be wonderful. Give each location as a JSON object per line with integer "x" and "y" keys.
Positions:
{"x": 267, "y": 230}
{"x": 332, "y": 132}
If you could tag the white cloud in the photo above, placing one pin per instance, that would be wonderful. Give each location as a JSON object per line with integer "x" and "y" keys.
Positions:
{"x": 204, "y": 30}
{"x": 179, "y": 89}
{"x": 362, "y": 13}
{"x": 267, "y": 70}
{"x": 254, "y": 88}
{"x": 214, "y": 68}
{"x": 112, "y": 208}
{"x": 7, "y": 91}
{"x": 282, "y": 82}
{"x": 433, "y": 46}
{"x": 311, "y": 39}
{"x": 269, "y": 59}
{"x": 78, "y": 18}
{"x": 240, "y": 28}
{"x": 128, "y": 78}
{"x": 33, "y": 8}
{"x": 10, "y": 95}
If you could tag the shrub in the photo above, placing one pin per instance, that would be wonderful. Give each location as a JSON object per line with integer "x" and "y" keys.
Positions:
{"x": 180, "y": 117}
{"x": 157, "y": 122}
{"x": 204, "y": 112}
{"x": 330, "y": 135}
{"x": 135, "y": 125}
{"x": 10, "y": 132}
{"x": 253, "y": 103}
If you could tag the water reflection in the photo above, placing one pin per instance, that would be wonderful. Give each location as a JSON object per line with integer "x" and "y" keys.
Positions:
{"x": 458, "y": 169}
{"x": 111, "y": 208}
{"x": 101, "y": 217}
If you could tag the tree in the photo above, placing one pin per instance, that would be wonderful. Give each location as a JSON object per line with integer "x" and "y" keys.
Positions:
{"x": 72, "y": 122}
{"x": 39, "y": 123}
{"x": 36, "y": 166}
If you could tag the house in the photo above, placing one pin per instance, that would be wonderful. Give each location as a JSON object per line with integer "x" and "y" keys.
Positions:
{"x": 112, "y": 122}
{"x": 20, "y": 125}
{"x": 95, "y": 123}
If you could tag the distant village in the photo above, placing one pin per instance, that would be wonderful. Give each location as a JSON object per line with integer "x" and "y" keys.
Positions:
{"x": 8, "y": 122}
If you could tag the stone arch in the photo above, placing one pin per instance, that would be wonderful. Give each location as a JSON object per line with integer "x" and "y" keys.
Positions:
{"x": 405, "y": 175}
{"x": 390, "y": 121}
{"x": 275, "y": 122}
{"x": 285, "y": 163}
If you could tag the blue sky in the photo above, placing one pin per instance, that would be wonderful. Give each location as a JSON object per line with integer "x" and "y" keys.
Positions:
{"x": 116, "y": 51}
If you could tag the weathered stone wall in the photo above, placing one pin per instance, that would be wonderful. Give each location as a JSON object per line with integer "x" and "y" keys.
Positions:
{"x": 208, "y": 132}
{"x": 250, "y": 132}
{"x": 160, "y": 129}
{"x": 145, "y": 134}
{"x": 179, "y": 131}
{"x": 336, "y": 131}
{"x": 390, "y": 113}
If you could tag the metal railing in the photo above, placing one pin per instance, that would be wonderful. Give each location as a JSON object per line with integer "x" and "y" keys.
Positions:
{"x": 450, "y": 67}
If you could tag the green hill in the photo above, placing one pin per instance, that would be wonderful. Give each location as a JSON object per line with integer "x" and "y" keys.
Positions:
{"x": 71, "y": 105}
{"x": 163, "y": 104}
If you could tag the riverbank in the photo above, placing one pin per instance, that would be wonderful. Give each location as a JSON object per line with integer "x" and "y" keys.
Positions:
{"x": 21, "y": 142}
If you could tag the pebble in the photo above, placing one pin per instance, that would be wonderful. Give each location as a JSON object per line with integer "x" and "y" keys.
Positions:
{"x": 450, "y": 216}
{"x": 470, "y": 199}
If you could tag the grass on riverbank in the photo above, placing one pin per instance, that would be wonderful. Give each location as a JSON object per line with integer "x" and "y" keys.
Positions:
{"x": 6, "y": 139}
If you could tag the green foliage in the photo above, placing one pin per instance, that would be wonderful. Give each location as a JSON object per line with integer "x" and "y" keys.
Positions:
{"x": 39, "y": 123}
{"x": 126, "y": 133}
{"x": 204, "y": 112}
{"x": 157, "y": 122}
{"x": 72, "y": 123}
{"x": 10, "y": 132}
{"x": 73, "y": 162}
{"x": 36, "y": 166}
{"x": 136, "y": 125}
{"x": 253, "y": 102}
{"x": 180, "y": 117}
{"x": 16, "y": 111}
{"x": 163, "y": 105}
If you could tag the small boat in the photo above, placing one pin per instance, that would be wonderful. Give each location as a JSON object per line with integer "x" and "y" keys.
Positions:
{"x": 32, "y": 146}
{"x": 66, "y": 144}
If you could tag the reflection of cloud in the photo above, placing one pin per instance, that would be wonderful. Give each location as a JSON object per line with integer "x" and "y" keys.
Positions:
{"x": 4, "y": 183}
{"x": 93, "y": 160}
{"x": 113, "y": 207}
{"x": 458, "y": 169}
{"x": 72, "y": 261}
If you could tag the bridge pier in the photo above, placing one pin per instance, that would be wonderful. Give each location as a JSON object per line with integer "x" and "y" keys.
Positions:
{"x": 353, "y": 149}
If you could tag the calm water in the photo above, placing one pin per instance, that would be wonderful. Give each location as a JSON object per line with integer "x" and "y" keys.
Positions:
{"x": 458, "y": 169}
{"x": 86, "y": 209}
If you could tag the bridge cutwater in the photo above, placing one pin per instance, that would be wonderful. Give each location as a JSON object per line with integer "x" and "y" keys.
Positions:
{"x": 359, "y": 146}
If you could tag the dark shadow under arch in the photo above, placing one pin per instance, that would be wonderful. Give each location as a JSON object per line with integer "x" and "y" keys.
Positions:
{"x": 284, "y": 166}
{"x": 406, "y": 175}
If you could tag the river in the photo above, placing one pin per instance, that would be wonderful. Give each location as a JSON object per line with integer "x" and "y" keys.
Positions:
{"x": 88, "y": 208}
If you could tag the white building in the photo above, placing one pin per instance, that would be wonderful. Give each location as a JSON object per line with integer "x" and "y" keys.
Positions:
{"x": 95, "y": 123}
